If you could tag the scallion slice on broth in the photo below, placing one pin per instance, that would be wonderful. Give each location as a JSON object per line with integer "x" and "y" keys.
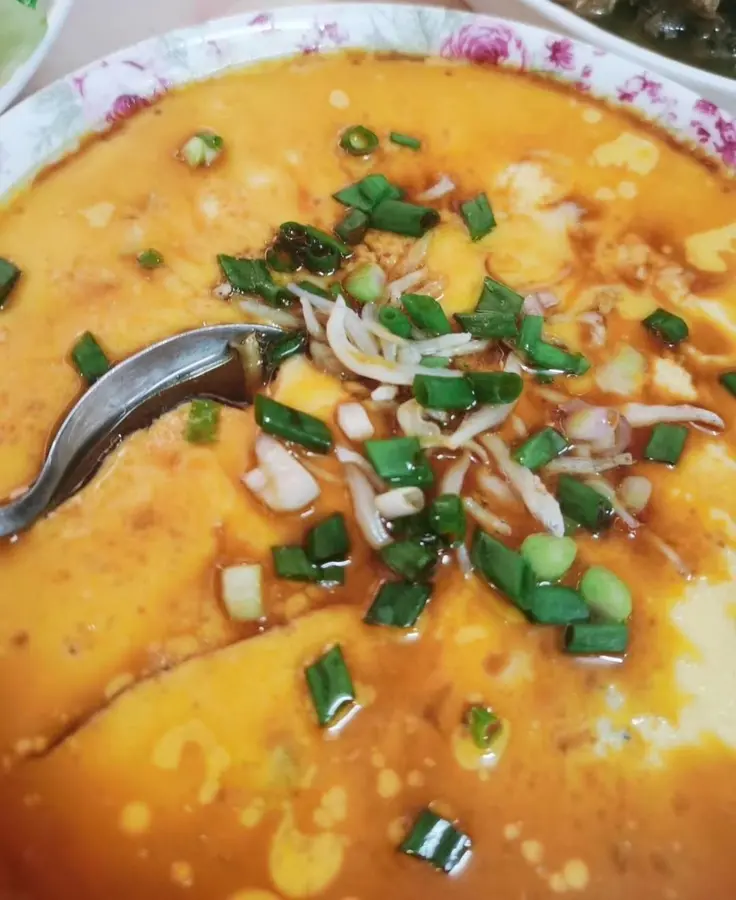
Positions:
{"x": 502, "y": 567}
{"x": 203, "y": 421}
{"x": 352, "y": 227}
{"x": 436, "y": 841}
{"x": 606, "y": 594}
{"x": 540, "y": 449}
{"x": 202, "y": 149}
{"x": 498, "y": 297}
{"x": 666, "y": 326}
{"x": 447, "y": 518}
{"x": 400, "y": 461}
{"x": 478, "y": 216}
{"x": 367, "y": 193}
{"x": 426, "y": 313}
{"x": 530, "y": 333}
{"x": 150, "y": 259}
{"x": 547, "y": 356}
{"x": 398, "y": 604}
{"x": 366, "y": 283}
{"x": 292, "y": 425}
{"x": 443, "y": 393}
{"x": 292, "y": 563}
{"x": 399, "y": 217}
{"x": 89, "y": 358}
{"x": 484, "y": 725}
{"x": 359, "y": 141}
{"x": 330, "y": 685}
{"x": 555, "y": 604}
{"x": 9, "y": 275}
{"x": 489, "y": 325}
{"x": 410, "y": 559}
{"x": 328, "y": 540}
{"x": 588, "y": 638}
{"x": 495, "y": 387}
{"x": 251, "y": 276}
{"x": 666, "y": 443}
{"x": 280, "y": 350}
{"x": 727, "y": 379}
{"x": 405, "y": 140}
{"x": 584, "y": 504}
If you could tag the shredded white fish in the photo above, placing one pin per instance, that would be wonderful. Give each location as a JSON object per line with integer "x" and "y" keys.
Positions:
{"x": 640, "y": 415}
{"x": 384, "y": 393}
{"x": 354, "y": 422}
{"x": 482, "y": 419}
{"x": 601, "y": 485}
{"x": 513, "y": 364}
{"x": 320, "y": 303}
{"x": 408, "y": 355}
{"x": 401, "y": 285}
{"x": 454, "y": 476}
{"x": 440, "y": 188}
{"x": 576, "y": 465}
{"x": 223, "y": 291}
{"x": 669, "y": 553}
{"x": 360, "y": 335}
{"x": 268, "y": 314}
{"x": 442, "y": 345}
{"x": 463, "y": 560}
{"x": 400, "y": 502}
{"x": 366, "y": 513}
{"x": 519, "y": 426}
{"x": 310, "y": 319}
{"x": 490, "y": 521}
{"x": 537, "y": 499}
{"x": 411, "y": 418}
{"x": 351, "y": 457}
{"x": 496, "y": 487}
{"x": 280, "y": 480}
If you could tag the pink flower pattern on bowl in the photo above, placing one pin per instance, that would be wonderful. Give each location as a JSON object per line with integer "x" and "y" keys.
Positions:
{"x": 48, "y": 125}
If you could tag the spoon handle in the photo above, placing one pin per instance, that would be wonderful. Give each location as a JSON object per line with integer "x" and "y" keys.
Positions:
{"x": 125, "y": 387}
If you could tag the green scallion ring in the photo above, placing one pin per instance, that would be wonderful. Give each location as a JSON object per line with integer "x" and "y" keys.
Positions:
{"x": 359, "y": 141}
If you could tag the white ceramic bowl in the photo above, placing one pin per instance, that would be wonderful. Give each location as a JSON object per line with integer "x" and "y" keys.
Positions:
{"x": 714, "y": 87}
{"x": 9, "y": 89}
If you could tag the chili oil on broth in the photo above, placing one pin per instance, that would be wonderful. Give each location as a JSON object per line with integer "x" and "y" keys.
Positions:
{"x": 149, "y": 744}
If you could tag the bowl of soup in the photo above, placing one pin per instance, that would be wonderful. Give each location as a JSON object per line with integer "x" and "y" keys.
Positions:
{"x": 445, "y": 609}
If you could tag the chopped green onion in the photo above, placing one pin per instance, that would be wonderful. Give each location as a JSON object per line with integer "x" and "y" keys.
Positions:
{"x": 727, "y": 379}
{"x": 359, "y": 141}
{"x": 607, "y": 596}
{"x": 332, "y": 574}
{"x": 410, "y": 559}
{"x": 330, "y": 685}
{"x": 314, "y": 289}
{"x": 666, "y": 326}
{"x": 436, "y": 362}
{"x": 436, "y": 841}
{"x": 366, "y": 194}
{"x": 203, "y": 421}
{"x": 489, "y": 325}
{"x": 395, "y": 320}
{"x": 366, "y": 283}
{"x": 293, "y": 564}
{"x": 447, "y": 518}
{"x": 9, "y": 275}
{"x": 398, "y": 604}
{"x": 400, "y": 461}
{"x": 281, "y": 258}
{"x": 426, "y": 313}
{"x": 89, "y": 358}
{"x": 666, "y": 443}
{"x": 540, "y": 448}
{"x": 547, "y": 356}
{"x": 549, "y": 556}
{"x": 294, "y": 234}
{"x": 588, "y": 638}
{"x": 415, "y": 528}
{"x": 400, "y": 217}
{"x": 150, "y": 259}
{"x": 320, "y": 259}
{"x": 202, "y": 149}
{"x": 498, "y": 297}
{"x": 478, "y": 216}
{"x": 571, "y": 527}
{"x": 435, "y": 392}
{"x": 554, "y": 604}
{"x": 501, "y": 567}
{"x": 405, "y": 140}
{"x": 352, "y": 227}
{"x": 484, "y": 725}
{"x": 251, "y": 276}
{"x": 292, "y": 424}
{"x": 495, "y": 387}
{"x": 328, "y": 540}
{"x": 584, "y": 504}
{"x": 530, "y": 333}
{"x": 280, "y": 350}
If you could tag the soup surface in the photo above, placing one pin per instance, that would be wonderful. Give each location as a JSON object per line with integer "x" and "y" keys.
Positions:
{"x": 159, "y": 733}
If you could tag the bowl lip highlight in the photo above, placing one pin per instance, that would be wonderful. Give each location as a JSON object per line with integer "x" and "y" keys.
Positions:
{"x": 22, "y": 74}
{"x": 588, "y": 31}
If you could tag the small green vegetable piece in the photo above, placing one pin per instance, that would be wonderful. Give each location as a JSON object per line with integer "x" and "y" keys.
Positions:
{"x": 359, "y": 140}
{"x": 554, "y": 604}
{"x": 530, "y": 334}
{"x": 478, "y": 216}
{"x": 366, "y": 194}
{"x": 436, "y": 392}
{"x": 484, "y": 725}
{"x": 501, "y": 567}
{"x": 400, "y": 461}
{"x": 495, "y": 387}
{"x": 89, "y": 358}
{"x": 426, "y": 313}
{"x": 395, "y": 321}
{"x": 436, "y": 362}
{"x": 436, "y": 841}
{"x": 332, "y": 574}
{"x": 497, "y": 297}
{"x": 447, "y": 518}
{"x": 150, "y": 259}
{"x": 328, "y": 540}
{"x": 280, "y": 350}
{"x": 587, "y": 638}
{"x": 203, "y": 421}
{"x": 410, "y": 559}
{"x": 405, "y": 140}
{"x": 251, "y": 276}
{"x": 293, "y": 564}
{"x": 666, "y": 443}
{"x": 584, "y": 504}
{"x": 352, "y": 227}
{"x": 292, "y": 424}
{"x": 555, "y": 359}
{"x": 398, "y": 604}
{"x": 202, "y": 149}
{"x": 606, "y": 595}
{"x": 281, "y": 258}
{"x": 408, "y": 219}
{"x": 416, "y": 528}
{"x": 489, "y": 325}
{"x": 549, "y": 556}
{"x": 366, "y": 283}
{"x": 9, "y": 275}
{"x": 666, "y": 326}
{"x": 330, "y": 685}
{"x": 727, "y": 379}
{"x": 540, "y": 448}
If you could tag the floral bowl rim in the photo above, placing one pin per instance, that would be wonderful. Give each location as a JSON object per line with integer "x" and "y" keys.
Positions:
{"x": 50, "y": 124}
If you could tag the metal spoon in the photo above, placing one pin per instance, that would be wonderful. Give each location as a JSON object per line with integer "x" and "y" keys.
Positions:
{"x": 130, "y": 396}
